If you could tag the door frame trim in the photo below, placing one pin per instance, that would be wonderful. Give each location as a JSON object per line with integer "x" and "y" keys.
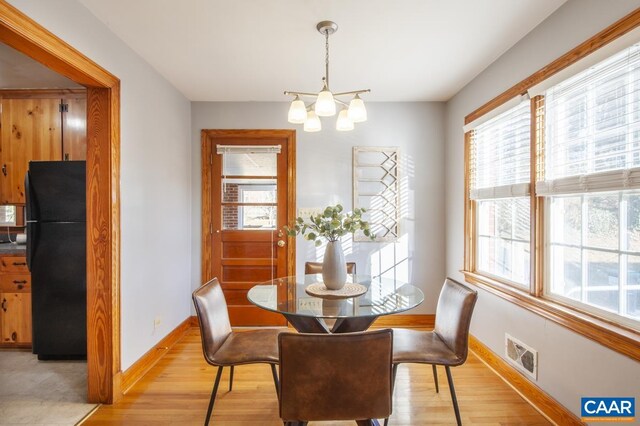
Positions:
{"x": 208, "y": 137}
{"x": 103, "y": 192}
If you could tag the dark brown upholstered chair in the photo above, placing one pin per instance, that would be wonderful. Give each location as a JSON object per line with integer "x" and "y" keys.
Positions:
{"x": 335, "y": 376}
{"x": 448, "y": 343}
{"x": 316, "y": 268}
{"x": 222, "y": 347}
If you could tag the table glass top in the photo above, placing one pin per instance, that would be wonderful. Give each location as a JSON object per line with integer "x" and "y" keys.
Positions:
{"x": 384, "y": 296}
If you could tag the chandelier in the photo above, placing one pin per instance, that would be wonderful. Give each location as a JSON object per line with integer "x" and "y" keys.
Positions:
{"x": 324, "y": 104}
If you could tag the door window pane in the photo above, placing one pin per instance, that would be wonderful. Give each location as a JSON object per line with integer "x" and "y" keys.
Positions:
{"x": 249, "y": 164}
{"x": 249, "y": 217}
{"x": 249, "y": 191}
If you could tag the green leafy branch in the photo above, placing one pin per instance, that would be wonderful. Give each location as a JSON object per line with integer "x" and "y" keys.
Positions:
{"x": 331, "y": 225}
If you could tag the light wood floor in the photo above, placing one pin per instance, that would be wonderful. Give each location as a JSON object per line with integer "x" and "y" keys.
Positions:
{"x": 177, "y": 390}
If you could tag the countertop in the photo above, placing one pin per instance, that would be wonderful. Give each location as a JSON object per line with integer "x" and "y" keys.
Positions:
{"x": 12, "y": 249}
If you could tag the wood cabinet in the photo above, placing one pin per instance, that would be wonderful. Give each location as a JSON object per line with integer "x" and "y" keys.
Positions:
{"x": 15, "y": 302}
{"x": 37, "y": 126}
{"x": 74, "y": 129}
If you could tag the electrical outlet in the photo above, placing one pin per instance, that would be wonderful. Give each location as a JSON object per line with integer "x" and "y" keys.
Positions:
{"x": 305, "y": 212}
{"x": 156, "y": 322}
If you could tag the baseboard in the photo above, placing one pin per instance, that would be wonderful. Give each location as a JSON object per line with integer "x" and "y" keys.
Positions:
{"x": 149, "y": 359}
{"x": 539, "y": 399}
{"x": 194, "y": 321}
{"x": 406, "y": 321}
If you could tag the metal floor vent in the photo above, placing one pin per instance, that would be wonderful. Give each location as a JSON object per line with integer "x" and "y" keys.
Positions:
{"x": 523, "y": 357}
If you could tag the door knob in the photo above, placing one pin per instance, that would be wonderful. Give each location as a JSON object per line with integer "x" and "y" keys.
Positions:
{"x": 281, "y": 243}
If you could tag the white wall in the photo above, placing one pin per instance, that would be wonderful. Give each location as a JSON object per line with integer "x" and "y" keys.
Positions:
{"x": 570, "y": 366}
{"x": 324, "y": 177}
{"x": 155, "y": 177}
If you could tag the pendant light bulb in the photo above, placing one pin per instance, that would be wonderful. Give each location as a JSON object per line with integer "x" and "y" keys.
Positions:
{"x": 312, "y": 124}
{"x": 297, "y": 111}
{"x": 325, "y": 105}
{"x": 344, "y": 123}
{"x": 357, "y": 111}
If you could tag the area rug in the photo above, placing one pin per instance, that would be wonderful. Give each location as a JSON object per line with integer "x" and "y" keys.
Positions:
{"x": 37, "y": 393}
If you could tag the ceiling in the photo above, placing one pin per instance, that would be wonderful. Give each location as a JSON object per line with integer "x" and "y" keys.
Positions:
{"x": 253, "y": 50}
{"x": 18, "y": 71}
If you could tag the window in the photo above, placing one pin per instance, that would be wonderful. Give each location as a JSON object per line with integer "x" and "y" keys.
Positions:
{"x": 552, "y": 191}
{"x": 500, "y": 176}
{"x": 591, "y": 151}
{"x": 249, "y": 186}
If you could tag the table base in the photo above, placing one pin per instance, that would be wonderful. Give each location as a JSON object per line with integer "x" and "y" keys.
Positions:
{"x": 342, "y": 325}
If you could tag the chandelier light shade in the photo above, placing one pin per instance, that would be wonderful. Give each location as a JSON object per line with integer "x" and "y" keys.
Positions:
{"x": 344, "y": 123}
{"x": 357, "y": 111}
{"x": 297, "y": 111}
{"x": 323, "y": 104}
{"x": 312, "y": 123}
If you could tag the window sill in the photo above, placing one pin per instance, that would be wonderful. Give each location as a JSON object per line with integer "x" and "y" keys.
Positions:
{"x": 615, "y": 337}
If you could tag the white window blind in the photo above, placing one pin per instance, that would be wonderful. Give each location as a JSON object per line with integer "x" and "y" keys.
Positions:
{"x": 592, "y": 134}
{"x": 500, "y": 155}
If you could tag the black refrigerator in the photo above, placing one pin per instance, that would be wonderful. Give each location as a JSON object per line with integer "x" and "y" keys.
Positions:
{"x": 56, "y": 257}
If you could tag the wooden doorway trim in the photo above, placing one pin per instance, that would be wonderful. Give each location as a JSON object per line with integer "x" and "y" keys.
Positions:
{"x": 207, "y": 151}
{"x": 103, "y": 192}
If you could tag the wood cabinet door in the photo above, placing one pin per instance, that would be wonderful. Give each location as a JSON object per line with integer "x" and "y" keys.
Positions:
{"x": 74, "y": 130}
{"x": 16, "y": 317}
{"x": 31, "y": 130}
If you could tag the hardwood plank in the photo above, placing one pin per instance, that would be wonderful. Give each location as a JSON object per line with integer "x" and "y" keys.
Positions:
{"x": 177, "y": 389}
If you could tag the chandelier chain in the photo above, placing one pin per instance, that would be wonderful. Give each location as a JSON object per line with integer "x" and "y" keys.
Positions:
{"x": 326, "y": 58}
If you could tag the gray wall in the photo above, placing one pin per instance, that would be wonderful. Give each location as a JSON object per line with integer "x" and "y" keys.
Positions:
{"x": 155, "y": 179}
{"x": 324, "y": 177}
{"x": 570, "y": 366}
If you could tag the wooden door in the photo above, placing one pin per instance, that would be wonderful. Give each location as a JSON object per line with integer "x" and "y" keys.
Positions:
{"x": 248, "y": 197}
{"x": 74, "y": 129}
{"x": 31, "y": 130}
{"x": 16, "y": 317}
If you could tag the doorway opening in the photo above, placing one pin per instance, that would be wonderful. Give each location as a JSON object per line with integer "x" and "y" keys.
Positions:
{"x": 102, "y": 191}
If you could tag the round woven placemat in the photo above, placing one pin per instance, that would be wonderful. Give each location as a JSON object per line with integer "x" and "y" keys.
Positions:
{"x": 349, "y": 290}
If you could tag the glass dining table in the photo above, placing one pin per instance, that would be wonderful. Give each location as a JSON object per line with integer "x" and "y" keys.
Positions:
{"x": 315, "y": 314}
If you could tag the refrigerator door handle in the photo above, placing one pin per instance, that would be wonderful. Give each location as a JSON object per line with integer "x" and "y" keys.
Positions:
{"x": 30, "y": 231}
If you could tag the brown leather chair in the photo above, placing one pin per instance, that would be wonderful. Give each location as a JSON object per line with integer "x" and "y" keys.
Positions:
{"x": 335, "y": 376}
{"x": 448, "y": 343}
{"x": 316, "y": 268}
{"x": 222, "y": 347}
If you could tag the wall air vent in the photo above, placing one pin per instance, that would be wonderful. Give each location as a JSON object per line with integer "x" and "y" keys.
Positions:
{"x": 523, "y": 357}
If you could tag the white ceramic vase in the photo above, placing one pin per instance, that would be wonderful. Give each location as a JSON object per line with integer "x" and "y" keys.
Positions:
{"x": 334, "y": 267}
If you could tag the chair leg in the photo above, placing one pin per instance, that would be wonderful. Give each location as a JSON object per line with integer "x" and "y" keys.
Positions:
{"x": 231, "y": 379}
{"x": 368, "y": 422}
{"x": 453, "y": 394}
{"x": 213, "y": 395}
{"x": 393, "y": 385}
{"x": 275, "y": 380}
{"x": 435, "y": 377}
